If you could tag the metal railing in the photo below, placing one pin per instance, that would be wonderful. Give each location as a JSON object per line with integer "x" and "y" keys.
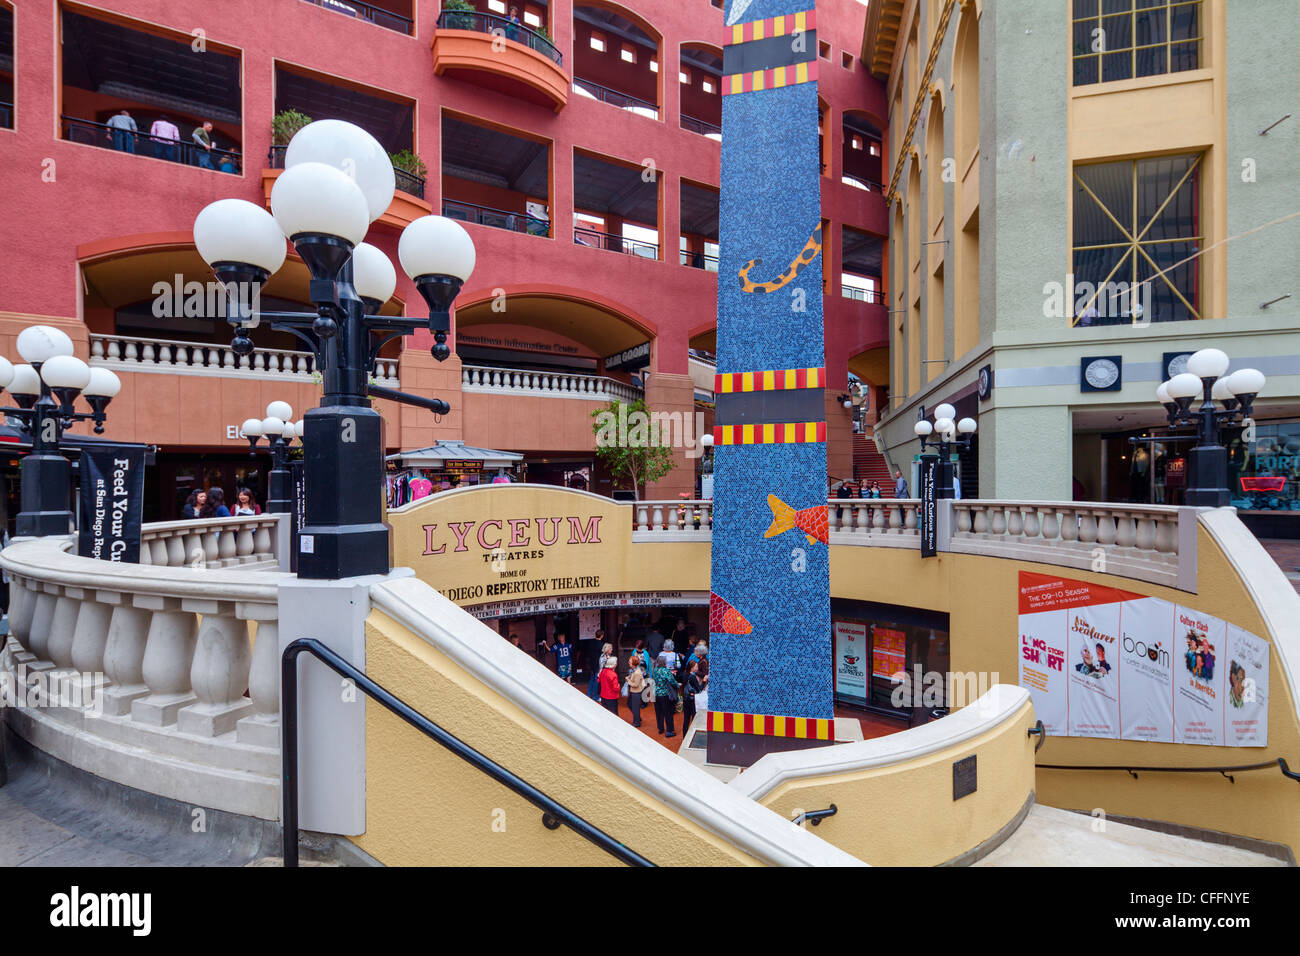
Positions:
{"x": 702, "y": 127}
{"x": 496, "y": 218}
{"x": 1280, "y": 763}
{"x": 594, "y": 238}
{"x": 624, "y": 101}
{"x": 499, "y": 26}
{"x": 859, "y": 183}
{"x": 699, "y": 260}
{"x": 184, "y": 151}
{"x": 554, "y": 814}
{"x": 406, "y": 182}
{"x": 364, "y": 11}
{"x": 861, "y": 295}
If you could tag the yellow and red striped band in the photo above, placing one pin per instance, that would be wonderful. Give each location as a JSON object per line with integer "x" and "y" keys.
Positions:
{"x": 776, "y": 433}
{"x": 773, "y": 79}
{"x": 771, "y": 27}
{"x": 769, "y": 381}
{"x": 766, "y": 725}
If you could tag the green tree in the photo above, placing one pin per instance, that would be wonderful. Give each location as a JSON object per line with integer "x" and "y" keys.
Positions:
{"x": 629, "y": 445}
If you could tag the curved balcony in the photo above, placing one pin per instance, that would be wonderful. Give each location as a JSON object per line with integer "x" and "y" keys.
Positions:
{"x": 501, "y": 55}
{"x": 513, "y": 381}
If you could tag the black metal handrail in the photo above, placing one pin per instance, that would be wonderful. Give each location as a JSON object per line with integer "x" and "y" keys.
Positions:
{"x": 624, "y": 101}
{"x": 596, "y": 239}
{"x": 554, "y": 814}
{"x": 700, "y": 126}
{"x": 1039, "y": 731}
{"x": 699, "y": 260}
{"x": 815, "y": 817}
{"x": 364, "y": 11}
{"x": 499, "y": 26}
{"x": 496, "y": 218}
{"x": 1280, "y": 763}
{"x": 184, "y": 151}
{"x": 862, "y": 295}
{"x": 407, "y": 182}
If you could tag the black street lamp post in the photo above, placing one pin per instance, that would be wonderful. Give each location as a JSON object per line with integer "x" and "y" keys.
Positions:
{"x": 946, "y": 430}
{"x": 1207, "y": 469}
{"x": 337, "y": 180}
{"x": 46, "y": 390}
{"x": 279, "y": 432}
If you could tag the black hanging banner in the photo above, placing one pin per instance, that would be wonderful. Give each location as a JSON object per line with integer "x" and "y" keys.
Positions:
{"x": 112, "y": 502}
{"x": 929, "y": 508}
{"x": 298, "y": 468}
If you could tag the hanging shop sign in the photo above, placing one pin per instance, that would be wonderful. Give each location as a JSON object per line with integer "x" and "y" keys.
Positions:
{"x": 637, "y": 357}
{"x": 929, "y": 506}
{"x": 575, "y": 602}
{"x": 851, "y": 659}
{"x": 1102, "y": 662}
{"x": 466, "y": 466}
{"x": 112, "y": 502}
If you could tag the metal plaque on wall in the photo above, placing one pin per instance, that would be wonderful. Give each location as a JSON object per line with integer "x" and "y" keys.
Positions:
{"x": 963, "y": 777}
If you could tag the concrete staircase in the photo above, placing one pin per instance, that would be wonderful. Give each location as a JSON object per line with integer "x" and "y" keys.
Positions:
{"x": 869, "y": 465}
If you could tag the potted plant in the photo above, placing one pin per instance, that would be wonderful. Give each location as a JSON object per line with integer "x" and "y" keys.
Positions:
{"x": 407, "y": 161}
{"x": 465, "y": 9}
{"x": 285, "y": 124}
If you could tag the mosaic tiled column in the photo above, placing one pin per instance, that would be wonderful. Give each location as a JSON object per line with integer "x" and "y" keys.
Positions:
{"x": 769, "y": 615}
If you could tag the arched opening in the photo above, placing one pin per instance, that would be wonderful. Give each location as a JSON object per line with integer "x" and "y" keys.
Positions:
{"x": 700, "y": 76}
{"x": 617, "y": 58}
{"x": 935, "y": 161}
{"x": 966, "y": 241}
{"x": 914, "y": 277}
{"x": 898, "y": 310}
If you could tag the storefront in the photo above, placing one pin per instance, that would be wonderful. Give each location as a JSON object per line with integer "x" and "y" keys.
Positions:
{"x": 449, "y": 464}
{"x": 891, "y": 660}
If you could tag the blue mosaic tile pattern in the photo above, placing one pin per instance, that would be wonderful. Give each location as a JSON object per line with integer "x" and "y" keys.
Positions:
{"x": 770, "y": 206}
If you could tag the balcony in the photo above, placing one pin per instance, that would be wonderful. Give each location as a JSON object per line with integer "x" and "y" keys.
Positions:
{"x": 699, "y": 260}
{"x": 528, "y": 68}
{"x": 495, "y": 218}
{"x": 624, "y": 101}
{"x": 388, "y": 19}
{"x": 691, "y": 124}
{"x": 536, "y": 384}
{"x": 595, "y": 239}
{"x": 134, "y": 354}
{"x": 185, "y": 152}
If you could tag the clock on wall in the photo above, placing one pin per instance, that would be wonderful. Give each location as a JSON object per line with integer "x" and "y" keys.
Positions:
{"x": 986, "y": 383}
{"x": 1101, "y": 373}
{"x": 1175, "y": 363}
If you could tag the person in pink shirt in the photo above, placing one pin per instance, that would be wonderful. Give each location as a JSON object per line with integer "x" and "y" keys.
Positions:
{"x": 166, "y": 139}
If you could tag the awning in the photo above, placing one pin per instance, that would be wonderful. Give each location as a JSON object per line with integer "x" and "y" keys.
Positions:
{"x": 437, "y": 457}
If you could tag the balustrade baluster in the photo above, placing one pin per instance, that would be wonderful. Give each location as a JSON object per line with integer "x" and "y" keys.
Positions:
{"x": 262, "y": 546}
{"x": 963, "y": 520}
{"x": 1166, "y": 537}
{"x": 642, "y": 518}
{"x": 1145, "y": 539}
{"x": 262, "y": 726}
{"x": 1015, "y": 523}
{"x": 128, "y": 629}
{"x": 164, "y": 355}
{"x": 1087, "y": 527}
{"x": 63, "y": 627}
{"x": 147, "y": 353}
{"x": 1069, "y": 524}
{"x": 168, "y": 655}
{"x": 910, "y": 516}
{"x": 39, "y": 633}
{"x": 980, "y": 524}
{"x": 1051, "y": 524}
{"x": 1125, "y": 531}
{"x": 96, "y": 348}
{"x": 244, "y": 544}
{"x": 657, "y": 518}
{"x": 114, "y": 351}
{"x": 226, "y": 547}
{"x": 1030, "y": 523}
{"x": 132, "y": 352}
{"x": 896, "y": 519}
{"x": 998, "y": 521}
{"x": 218, "y": 672}
{"x": 1105, "y": 528}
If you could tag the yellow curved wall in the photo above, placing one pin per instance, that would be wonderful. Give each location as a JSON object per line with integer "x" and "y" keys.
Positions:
{"x": 426, "y": 807}
{"x": 904, "y": 814}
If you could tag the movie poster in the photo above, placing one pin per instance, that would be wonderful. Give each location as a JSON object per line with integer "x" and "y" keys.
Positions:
{"x": 1199, "y": 640}
{"x": 1145, "y": 700}
{"x": 1101, "y": 662}
{"x": 1245, "y": 711}
{"x": 851, "y": 659}
{"x": 1091, "y": 639}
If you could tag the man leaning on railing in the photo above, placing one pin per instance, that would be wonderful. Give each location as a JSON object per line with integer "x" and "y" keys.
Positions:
{"x": 122, "y": 130}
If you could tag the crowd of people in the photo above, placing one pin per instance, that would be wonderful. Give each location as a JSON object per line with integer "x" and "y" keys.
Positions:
{"x": 657, "y": 674}
{"x": 211, "y": 503}
{"x": 165, "y": 141}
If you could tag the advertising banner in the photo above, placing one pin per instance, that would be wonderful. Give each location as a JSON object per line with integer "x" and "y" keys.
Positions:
{"x": 1102, "y": 662}
{"x": 112, "y": 502}
{"x": 888, "y": 652}
{"x": 851, "y": 659}
{"x": 929, "y": 507}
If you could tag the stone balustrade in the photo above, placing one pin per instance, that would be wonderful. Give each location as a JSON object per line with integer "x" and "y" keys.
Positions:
{"x": 250, "y": 542}
{"x": 161, "y": 676}
{"x": 1155, "y": 543}
{"x": 135, "y": 354}
{"x": 476, "y": 378}
{"x": 881, "y": 522}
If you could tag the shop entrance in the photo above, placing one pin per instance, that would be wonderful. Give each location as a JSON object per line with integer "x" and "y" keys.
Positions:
{"x": 891, "y": 660}
{"x": 169, "y": 483}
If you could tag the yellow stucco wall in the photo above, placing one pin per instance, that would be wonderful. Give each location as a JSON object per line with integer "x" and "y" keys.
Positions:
{"x": 425, "y": 806}
{"x": 904, "y": 814}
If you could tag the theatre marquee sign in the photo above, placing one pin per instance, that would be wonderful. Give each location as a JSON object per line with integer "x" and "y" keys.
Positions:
{"x": 524, "y": 545}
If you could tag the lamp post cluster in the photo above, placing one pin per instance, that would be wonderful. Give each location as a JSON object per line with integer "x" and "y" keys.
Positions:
{"x": 946, "y": 430}
{"x": 337, "y": 181}
{"x": 46, "y": 389}
{"x": 1235, "y": 394}
{"x": 279, "y": 430}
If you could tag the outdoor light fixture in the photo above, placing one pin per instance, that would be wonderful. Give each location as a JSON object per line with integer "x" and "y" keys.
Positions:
{"x": 945, "y": 430}
{"x": 1226, "y": 402}
{"x": 337, "y": 180}
{"x": 46, "y": 391}
{"x": 279, "y": 430}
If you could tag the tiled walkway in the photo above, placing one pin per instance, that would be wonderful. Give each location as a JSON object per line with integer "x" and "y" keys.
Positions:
{"x": 1286, "y": 552}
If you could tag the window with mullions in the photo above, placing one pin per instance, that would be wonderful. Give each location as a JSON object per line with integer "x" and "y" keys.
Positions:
{"x": 1121, "y": 39}
{"x": 1137, "y": 240}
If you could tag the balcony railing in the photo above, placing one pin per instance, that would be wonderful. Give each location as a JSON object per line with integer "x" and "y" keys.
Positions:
{"x": 624, "y": 101}
{"x": 857, "y": 182}
{"x": 496, "y": 218}
{"x": 364, "y": 11}
{"x": 861, "y": 295}
{"x": 184, "y": 151}
{"x": 699, "y": 260}
{"x": 499, "y": 26}
{"x": 134, "y": 354}
{"x": 594, "y": 238}
{"x": 514, "y": 381}
{"x": 700, "y": 126}
{"x": 406, "y": 182}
